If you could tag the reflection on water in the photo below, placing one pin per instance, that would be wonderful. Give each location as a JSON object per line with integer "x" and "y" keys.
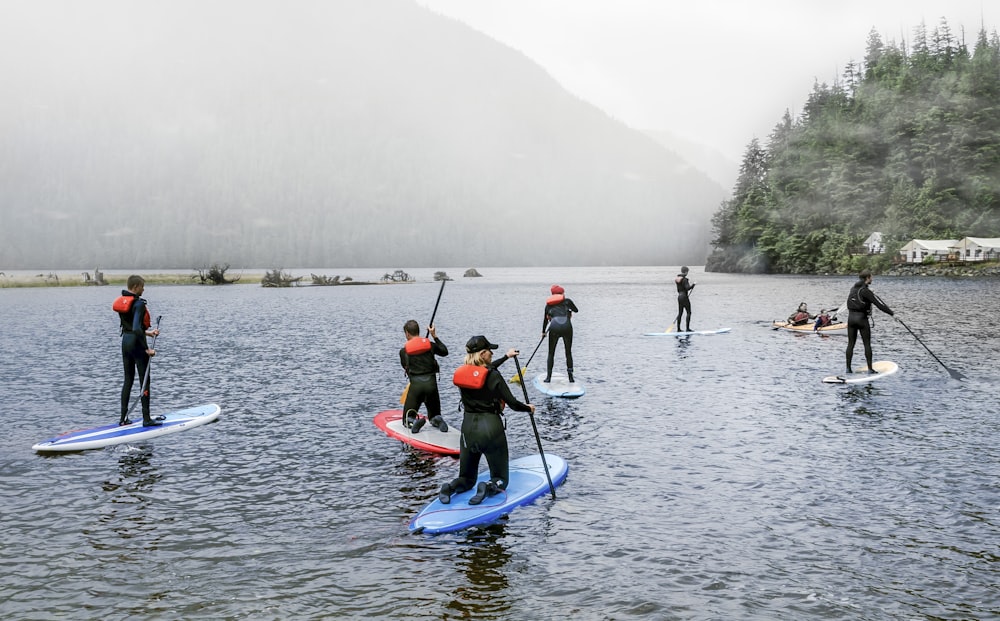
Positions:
{"x": 126, "y": 510}
{"x": 483, "y": 560}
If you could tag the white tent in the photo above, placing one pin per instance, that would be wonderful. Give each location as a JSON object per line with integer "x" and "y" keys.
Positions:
{"x": 978, "y": 248}
{"x": 874, "y": 244}
{"x": 916, "y": 250}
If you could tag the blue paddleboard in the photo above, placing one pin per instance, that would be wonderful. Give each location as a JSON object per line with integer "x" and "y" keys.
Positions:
{"x": 109, "y": 435}
{"x": 560, "y": 386}
{"x": 527, "y": 482}
{"x": 693, "y": 332}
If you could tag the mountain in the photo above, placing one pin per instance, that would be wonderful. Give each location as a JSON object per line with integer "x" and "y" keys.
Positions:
{"x": 315, "y": 133}
{"x": 714, "y": 164}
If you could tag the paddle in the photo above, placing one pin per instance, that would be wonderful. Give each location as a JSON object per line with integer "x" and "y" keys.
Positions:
{"x": 402, "y": 397}
{"x": 145, "y": 378}
{"x": 517, "y": 378}
{"x": 954, "y": 374}
{"x": 531, "y": 415}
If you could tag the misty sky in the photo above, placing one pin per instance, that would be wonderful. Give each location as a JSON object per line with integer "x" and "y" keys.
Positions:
{"x": 719, "y": 72}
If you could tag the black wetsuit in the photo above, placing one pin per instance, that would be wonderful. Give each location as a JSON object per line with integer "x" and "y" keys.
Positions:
{"x": 683, "y": 301}
{"x": 859, "y": 303}
{"x": 483, "y": 431}
{"x": 558, "y": 319}
{"x": 422, "y": 370}
{"x": 134, "y": 356}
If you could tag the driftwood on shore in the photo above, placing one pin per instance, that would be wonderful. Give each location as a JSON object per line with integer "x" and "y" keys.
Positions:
{"x": 215, "y": 275}
{"x": 278, "y": 278}
{"x": 327, "y": 281}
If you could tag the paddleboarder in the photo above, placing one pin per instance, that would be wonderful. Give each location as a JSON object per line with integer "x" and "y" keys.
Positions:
{"x": 684, "y": 286}
{"x": 558, "y": 317}
{"x": 133, "y": 315}
{"x": 421, "y": 366}
{"x": 859, "y": 303}
{"x": 484, "y": 393}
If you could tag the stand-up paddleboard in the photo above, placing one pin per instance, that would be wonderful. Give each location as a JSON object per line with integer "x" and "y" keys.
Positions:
{"x": 693, "y": 332}
{"x": 429, "y": 438}
{"x": 527, "y": 482}
{"x": 109, "y": 435}
{"x": 885, "y": 368}
{"x": 833, "y": 328}
{"x": 559, "y": 386}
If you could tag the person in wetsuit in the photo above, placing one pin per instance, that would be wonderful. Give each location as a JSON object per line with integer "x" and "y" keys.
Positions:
{"x": 484, "y": 394}
{"x": 135, "y": 327}
{"x": 684, "y": 286}
{"x": 417, "y": 359}
{"x": 859, "y": 303}
{"x": 558, "y": 316}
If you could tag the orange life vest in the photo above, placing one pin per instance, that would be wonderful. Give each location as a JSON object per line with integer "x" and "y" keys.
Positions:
{"x": 418, "y": 345}
{"x": 123, "y": 306}
{"x": 470, "y": 376}
{"x": 555, "y": 299}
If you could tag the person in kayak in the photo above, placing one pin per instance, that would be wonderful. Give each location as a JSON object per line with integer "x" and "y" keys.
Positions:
{"x": 801, "y": 316}
{"x": 684, "y": 287}
{"x": 859, "y": 303}
{"x": 133, "y": 316}
{"x": 558, "y": 322}
{"x": 484, "y": 395}
{"x": 418, "y": 360}
{"x": 823, "y": 319}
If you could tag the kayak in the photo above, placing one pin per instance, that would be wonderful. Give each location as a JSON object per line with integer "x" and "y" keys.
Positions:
{"x": 807, "y": 328}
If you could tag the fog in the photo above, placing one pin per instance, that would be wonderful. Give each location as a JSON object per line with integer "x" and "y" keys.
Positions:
{"x": 315, "y": 134}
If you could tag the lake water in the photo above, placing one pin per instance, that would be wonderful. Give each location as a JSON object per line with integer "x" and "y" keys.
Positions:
{"x": 712, "y": 477}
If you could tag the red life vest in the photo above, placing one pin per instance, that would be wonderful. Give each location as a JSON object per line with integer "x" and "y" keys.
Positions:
{"x": 555, "y": 299}
{"x": 418, "y": 345}
{"x": 470, "y": 376}
{"x": 123, "y": 306}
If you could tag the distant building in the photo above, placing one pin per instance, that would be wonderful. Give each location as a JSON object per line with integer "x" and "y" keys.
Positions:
{"x": 916, "y": 250}
{"x": 874, "y": 244}
{"x": 977, "y": 249}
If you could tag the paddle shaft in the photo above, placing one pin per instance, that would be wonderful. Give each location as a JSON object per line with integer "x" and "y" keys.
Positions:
{"x": 434, "y": 314}
{"x": 517, "y": 377}
{"x": 145, "y": 377}
{"x": 954, "y": 374}
{"x": 538, "y": 439}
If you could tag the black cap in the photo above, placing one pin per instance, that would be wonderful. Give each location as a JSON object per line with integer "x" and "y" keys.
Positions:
{"x": 479, "y": 343}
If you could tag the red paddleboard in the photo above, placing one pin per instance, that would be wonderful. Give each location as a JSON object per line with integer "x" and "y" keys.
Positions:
{"x": 429, "y": 438}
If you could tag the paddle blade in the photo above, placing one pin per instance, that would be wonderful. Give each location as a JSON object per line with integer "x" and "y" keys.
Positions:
{"x": 402, "y": 397}
{"x": 517, "y": 378}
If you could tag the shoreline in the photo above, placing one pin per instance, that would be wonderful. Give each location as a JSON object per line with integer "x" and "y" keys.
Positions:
{"x": 78, "y": 279}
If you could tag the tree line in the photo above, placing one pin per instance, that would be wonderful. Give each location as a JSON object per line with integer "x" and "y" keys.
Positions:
{"x": 906, "y": 143}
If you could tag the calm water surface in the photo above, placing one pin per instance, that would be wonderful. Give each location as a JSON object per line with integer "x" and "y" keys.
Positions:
{"x": 710, "y": 477}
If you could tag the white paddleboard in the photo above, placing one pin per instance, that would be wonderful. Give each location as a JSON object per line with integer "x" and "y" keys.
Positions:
{"x": 427, "y": 439}
{"x": 693, "y": 332}
{"x": 559, "y": 386}
{"x": 885, "y": 368}
{"x": 109, "y": 435}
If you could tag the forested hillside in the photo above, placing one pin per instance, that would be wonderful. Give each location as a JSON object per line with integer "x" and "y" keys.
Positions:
{"x": 315, "y": 134}
{"x": 907, "y": 143}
